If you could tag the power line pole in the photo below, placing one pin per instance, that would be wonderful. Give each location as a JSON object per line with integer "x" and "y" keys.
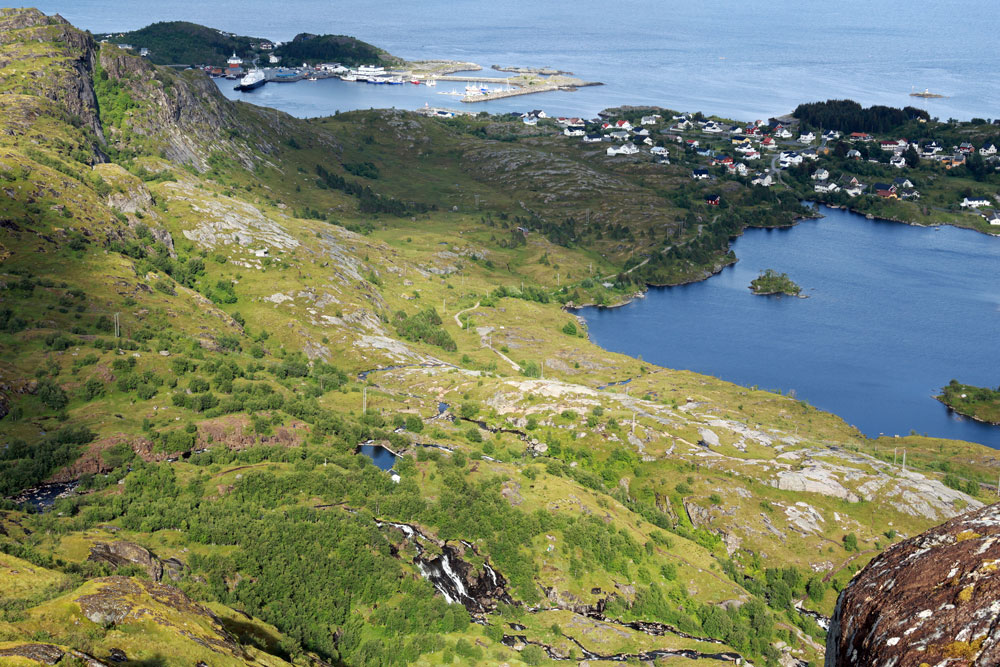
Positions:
{"x": 118, "y": 331}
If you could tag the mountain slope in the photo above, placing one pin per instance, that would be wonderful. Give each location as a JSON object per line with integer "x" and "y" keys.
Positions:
{"x": 206, "y": 313}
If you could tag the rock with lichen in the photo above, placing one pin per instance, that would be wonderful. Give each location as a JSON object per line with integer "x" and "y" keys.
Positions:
{"x": 933, "y": 599}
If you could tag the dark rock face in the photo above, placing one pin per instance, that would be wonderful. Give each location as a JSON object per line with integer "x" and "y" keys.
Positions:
{"x": 122, "y": 553}
{"x": 933, "y": 599}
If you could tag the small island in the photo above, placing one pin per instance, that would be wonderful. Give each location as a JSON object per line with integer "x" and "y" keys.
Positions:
{"x": 979, "y": 403}
{"x": 772, "y": 282}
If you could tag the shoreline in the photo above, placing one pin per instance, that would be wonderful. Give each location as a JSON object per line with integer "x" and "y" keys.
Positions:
{"x": 951, "y": 408}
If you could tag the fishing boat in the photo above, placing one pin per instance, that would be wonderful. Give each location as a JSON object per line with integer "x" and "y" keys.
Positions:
{"x": 349, "y": 77}
{"x": 254, "y": 79}
{"x": 431, "y": 82}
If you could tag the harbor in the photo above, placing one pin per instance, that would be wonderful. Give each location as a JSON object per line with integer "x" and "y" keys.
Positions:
{"x": 526, "y": 81}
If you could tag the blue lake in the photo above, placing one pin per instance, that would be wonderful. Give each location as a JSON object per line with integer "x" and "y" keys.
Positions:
{"x": 743, "y": 60}
{"x": 894, "y": 312}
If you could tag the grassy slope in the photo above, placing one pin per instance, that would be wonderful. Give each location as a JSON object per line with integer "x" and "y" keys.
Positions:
{"x": 337, "y": 291}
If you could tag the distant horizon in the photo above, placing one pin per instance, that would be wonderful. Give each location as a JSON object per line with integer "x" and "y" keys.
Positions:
{"x": 722, "y": 60}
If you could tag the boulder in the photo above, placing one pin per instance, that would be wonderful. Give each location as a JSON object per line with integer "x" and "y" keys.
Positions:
{"x": 120, "y": 553}
{"x": 933, "y": 599}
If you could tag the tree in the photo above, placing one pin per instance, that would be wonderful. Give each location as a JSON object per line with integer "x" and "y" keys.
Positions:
{"x": 851, "y": 542}
{"x": 911, "y": 157}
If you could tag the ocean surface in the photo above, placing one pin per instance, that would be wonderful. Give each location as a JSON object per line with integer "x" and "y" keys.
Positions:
{"x": 894, "y": 313}
{"x": 742, "y": 60}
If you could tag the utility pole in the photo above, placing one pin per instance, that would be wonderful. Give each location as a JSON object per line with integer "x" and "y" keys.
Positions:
{"x": 364, "y": 401}
{"x": 894, "y": 455}
{"x": 118, "y": 330}
{"x": 904, "y": 459}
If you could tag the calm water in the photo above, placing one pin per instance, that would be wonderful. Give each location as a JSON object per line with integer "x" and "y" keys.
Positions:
{"x": 379, "y": 455}
{"x": 894, "y": 312}
{"x": 745, "y": 60}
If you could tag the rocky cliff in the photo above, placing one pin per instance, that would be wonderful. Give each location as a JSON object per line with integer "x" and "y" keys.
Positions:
{"x": 931, "y": 600}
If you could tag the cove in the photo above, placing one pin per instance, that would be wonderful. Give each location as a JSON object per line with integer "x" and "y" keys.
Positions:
{"x": 894, "y": 312}
{"x": 379, "y": 455}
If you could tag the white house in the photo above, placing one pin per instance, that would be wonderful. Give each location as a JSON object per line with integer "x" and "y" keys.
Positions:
{"x": 807, "y": 138}
{"x": 854, "y": 154}
{"x": 897, "y": 161}
{"x": 700, "y": 174}
{"x": 593, "y": 139}
{"x": 974, "y": 203}
{"x": 650, "y": 120}
{"x": 788, "y": 158}
{"x": 737, "y": 168}
{"x": 574, "y": 131}
{"x": 625, "y": 149}
{"x": 820, "y": 174}
{"x": 992, "y": 217}
{"x": 783, "y": 133}
{"x": 659, "y": 150}
{"x": 623, "y": 125}
{"x": 529, "y": 120}
{"x": 641, "y": 132}
{"x": 620, "y": 135}
{"x": 763, "y": 180}
{"x": 988, "y": 150}
{"x": 826, "y": 186}
{"x": 713, "y": 127}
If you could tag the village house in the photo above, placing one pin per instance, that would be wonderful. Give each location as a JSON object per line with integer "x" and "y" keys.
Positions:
{"x": 722, "y": 159}
{"x": 853, "y": 154}
{"x": 764, "y": 180}
{"x": 624, "y": 149}
{"x": 831, "y": 135}
{"x": 659, "y": 150}
{"x": 902, "y": 182}
{"x": 885, "y": 190}
{"x": 641, "y": 132}
{"x": 820, "y": 174}
{"x": 826, "y": 187}
{"x": 574, "y": 131}
{"x": 966, "y": 148}
{"x": 975, "y": 202}
{"x": 782, "y": 132}
{"x": 988, "y": 150}
{"x": 992, "y": 217}
{"x": 713, "y": 200}
{"x": 859, "y": 136}
{"x": 700, "y": 174}
{"x": 768, "y": 143}
{"x": 909, "y": 193}
{"x": 593, "y": 139}
{"x": 650, "y": 120}
{"x": 620, "y": 135}
{"x": 809, "y": 154}
{"x": 807, "y": 138}
{"x": 737, "y": 168}
{"x": 692, "y": 143}
{"x": 897, "y": 161}
{"x": 712, "y": 127}
{"x": 623, "y": 125}
{"x": 789, "y": 158}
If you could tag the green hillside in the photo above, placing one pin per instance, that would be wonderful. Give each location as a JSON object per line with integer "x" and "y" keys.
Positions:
{"x": 207, "y": 307}
{"x": 183, "y": 43}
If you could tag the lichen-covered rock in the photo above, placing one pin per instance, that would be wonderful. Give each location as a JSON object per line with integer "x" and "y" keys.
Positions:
{"x": 933, "y": 599}
{"x": 122, "y": 553}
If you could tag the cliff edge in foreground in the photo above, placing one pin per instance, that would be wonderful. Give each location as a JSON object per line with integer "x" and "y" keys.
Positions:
{"x": 931, "y": 600}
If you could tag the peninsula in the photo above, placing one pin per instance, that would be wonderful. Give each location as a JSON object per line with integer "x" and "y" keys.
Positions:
{"x": 979, "y": 403}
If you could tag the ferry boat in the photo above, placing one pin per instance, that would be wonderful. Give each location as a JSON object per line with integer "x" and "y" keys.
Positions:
{"x": 369, "y": 71}
{"x": 254, "y": 79}
{"x": 349, "y": 77}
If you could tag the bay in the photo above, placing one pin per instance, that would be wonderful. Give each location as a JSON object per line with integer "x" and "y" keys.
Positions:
{"x": 894, "y": 312}
{"x": 742, "y": 60}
